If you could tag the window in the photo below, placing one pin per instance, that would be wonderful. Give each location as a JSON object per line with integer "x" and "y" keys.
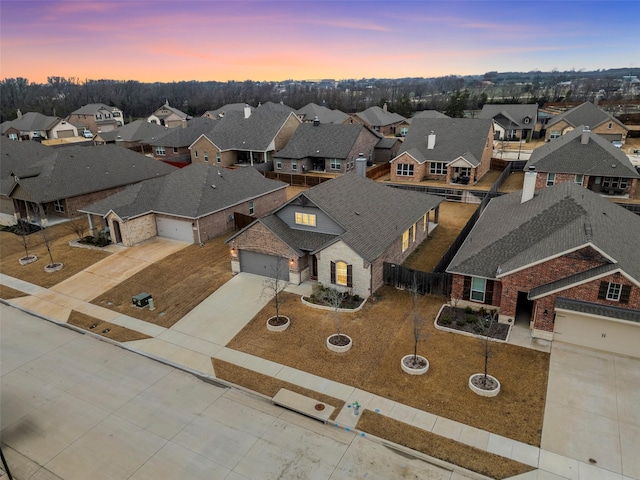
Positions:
{"x": 465, "y": 171}
{"x": 294, "y": 165}
{"x": 555, "y": 134}
{"x": 404, "y": 131}
{"x": 610, "y": 125}
{"x": 251, "y": 209}
{"x": 175, "y": 150}
{"x": 107, "y": 115}
{"x": 404, "y": 170}
{"x": 413, "y": 233}
{"x": 527, "y": 119}
{"x": 58, "y": 206}
{"x": 160, "y": 150}
{"x": 98, "y": 116}
{"x": 424, "y": 223}
{"x": 438, "y": 168}
{"x": 13, "y": 136}
{"x": 551, "y": 179}
{"x": 405, "y": 240}
{"x": 613, "y": 291}
{"x": 218, "y": 157}
{"x": 116, "y": 114}
{"x": 205, "y": 156}
{"x": 478, "y": 287}
{"x": 341, "y": 274}
{"x": 579, "y": 179}
{"x": 305, "y": 219}
{"x": 334, "y": 164}
{"x": 195, "y": 153}
{"x": 278, "y": 164}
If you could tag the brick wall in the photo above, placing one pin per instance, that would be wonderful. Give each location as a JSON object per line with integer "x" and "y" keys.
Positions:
{"x": 73, "y": 204}
{"x": 286, "y": 132}
{"x": 419, "y": 169}
{"x": 615, "y": 129}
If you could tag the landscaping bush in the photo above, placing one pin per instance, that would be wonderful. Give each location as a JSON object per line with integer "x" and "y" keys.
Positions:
{"x": 471, "y": 318}
{"x": 468, "y": 310}
{"x": 445, "y": 319}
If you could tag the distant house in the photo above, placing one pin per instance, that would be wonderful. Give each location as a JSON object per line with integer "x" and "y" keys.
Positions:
{"x": 230, "y": 107}
{"x": 403, "y": 127}
{"x": 378, "y": 119}
{"x": 386, "y": 149}
{"x": 326, "y": 147}
{"x": 36, "y": 126}
{"x": 310, "y": 112}
{"x": 168, "y": 116}
{"x": 512, "y": 122}
{"x": 250, "y": 137}
{"x": 587, "y": 159}
{"x": 454, "y": 150}
{"x": 340, "y": 232}
{"x": 588, "y": 115}
{"x": 193, "y": 204}
{"x": 558, "y": 261}
{"x": 137, "y": 135}
{"x": 68, "y": 179}
{"x": 97, "y": 117}
{"x": 172, "y": 145}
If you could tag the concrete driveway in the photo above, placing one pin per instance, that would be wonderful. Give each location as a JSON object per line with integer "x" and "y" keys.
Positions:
{"x": 592, "y": 412}
{"x": 76, "y": 408}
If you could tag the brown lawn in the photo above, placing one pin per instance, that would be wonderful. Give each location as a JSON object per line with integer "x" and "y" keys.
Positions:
{"x": 104, "y": 329}
{"x": 7, "y": 293}
{"x": 513, "y": 182}
{"x": 382, "y": 335}
{"x": 178, "y": 283}
{"x": 453, "y": 217}
{"x": 74, "y": 259}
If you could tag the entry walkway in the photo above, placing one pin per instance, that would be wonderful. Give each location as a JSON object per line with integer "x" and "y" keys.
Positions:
{"x": 194, "y": 340}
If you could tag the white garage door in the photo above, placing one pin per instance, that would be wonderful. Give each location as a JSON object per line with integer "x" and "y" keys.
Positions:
{"x": 175, "y": 229}
{"x": 596, "y": 332}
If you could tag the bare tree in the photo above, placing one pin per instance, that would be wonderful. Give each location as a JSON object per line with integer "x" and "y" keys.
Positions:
{"x": 273, "y": 285}
{"x": 77, "y": 225}
{"x": 24, "y": 229}
{"x": 334, "y": 299}
{"x": 485, "y": 327}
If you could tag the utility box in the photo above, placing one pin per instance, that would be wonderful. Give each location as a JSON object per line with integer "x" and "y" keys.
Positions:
{"x": 141, "y": 300}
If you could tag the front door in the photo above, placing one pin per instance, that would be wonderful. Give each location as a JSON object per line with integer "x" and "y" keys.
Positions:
{"x": 117, "y": 236}
{"x": 524, "y": 310}
{"x": 314, "y": 268}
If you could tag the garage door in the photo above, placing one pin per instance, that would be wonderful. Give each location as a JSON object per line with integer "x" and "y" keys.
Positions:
{"x": 65, "y": 133}
{"x": 175, "y": 229}
{"x": 611, "y": 136}
{"x": 265, "y": 265}
{"x": 596, "y": 332}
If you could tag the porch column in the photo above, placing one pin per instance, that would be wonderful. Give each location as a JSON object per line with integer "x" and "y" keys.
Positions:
{"x": 92, "y": 227}
{"x": 251, "y": 158}
{"x": 437, "y": 214}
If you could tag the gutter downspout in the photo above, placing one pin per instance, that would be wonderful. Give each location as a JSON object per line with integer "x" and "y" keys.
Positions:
{"x": 198, "y": 225}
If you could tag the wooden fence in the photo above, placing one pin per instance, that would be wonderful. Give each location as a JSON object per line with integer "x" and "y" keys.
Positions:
{"x": 424, "y": 282}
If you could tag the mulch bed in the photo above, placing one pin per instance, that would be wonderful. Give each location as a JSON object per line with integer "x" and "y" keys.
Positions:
{"x": 465, "y": 321}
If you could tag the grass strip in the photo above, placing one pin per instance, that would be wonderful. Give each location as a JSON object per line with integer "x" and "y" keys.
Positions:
{"x": 7, "y": 293}
{"x": 104, "y": 329}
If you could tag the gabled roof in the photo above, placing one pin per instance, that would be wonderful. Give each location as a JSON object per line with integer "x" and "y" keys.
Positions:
{"x": 31, "y": 122}
{"x": 235, "y": 132}
{"x": 93, "y": 108}
{"x": 387, "y": 142}
{"x": 229, "y": 107}
{"x": 567, "y": 154}
{"x": 183, "y": 137}
{"x": 378, "y": 117}
{"x": 136, "y": 131}
{"x": 597, "y": 309}
{"x": 279, "y": 107}
{"x": 511, "y": 116}
{"x": 16, "y": 155}
{"x": 511, "y": 235}
{"x": 158, "y": 113}
{"x": 188, "y": 192}
{"x": 454, "y": 138}
{"x": 325, "y": 140}
{"x": 373, "y": 215}
{"x": 72, "y": 171}
{"x": 427, "y": 114}
{"x": 324, "y": 115}
{"x": 586, "y": 114}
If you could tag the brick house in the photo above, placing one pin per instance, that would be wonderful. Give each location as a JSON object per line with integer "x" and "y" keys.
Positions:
{"x": 454, "y": 150}
{"x": 173, "y": 145}
{"x": 587, "y": 114}
{"x": 312, "y": 111}
{"x": 250, "y": 137}
{"x": 339, "y": 233}
{"x": 326, "y": 147}
{"x": 587, "y": 159}
{"x": 193, "y": 204}
{"x": 512, "y": 122}
{"x": 377, "y": 119}
{"x": 72, "y": 177}
{"x": 97, "y": 117}
{"x": 168, "y": 116}
{"x": 137, "y": 136}
{"x": 558, "y": 261}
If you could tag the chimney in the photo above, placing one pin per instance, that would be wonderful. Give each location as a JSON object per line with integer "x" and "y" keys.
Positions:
{"x": 361, "y": 165}
{"x": 431, "y": 140}
{"x": 316, "y": 121}
{"x": 184, "y": 123}
{"x": 247, "y": 110}
{"x": 19, "y": 113}
{"x": 384, "y": 107}
{"x": 529, "y": 186}
{"x": 585, "y": 136}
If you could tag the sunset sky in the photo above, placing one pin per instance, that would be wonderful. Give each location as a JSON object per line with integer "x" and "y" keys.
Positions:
{"x": 173, "y": 40}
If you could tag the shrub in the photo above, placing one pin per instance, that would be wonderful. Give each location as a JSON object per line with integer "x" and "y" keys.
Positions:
{"x": 445, "y": 320}
{"x": 471, "y": 318}
{"x": 468, "y": 310}
{"x": 461, "y": 322}
{"x": 482, "y": 311}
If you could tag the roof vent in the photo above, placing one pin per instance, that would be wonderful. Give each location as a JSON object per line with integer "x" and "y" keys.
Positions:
{"x": 213, "y": 186}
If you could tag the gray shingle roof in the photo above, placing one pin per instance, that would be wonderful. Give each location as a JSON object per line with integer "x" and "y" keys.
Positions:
{"x": 324, "y": 114}
{"x": 510, "y": 235}
{"x": 428, "y": 114}
{"x": 230, "y": 107}
{"x": 171, "y": 110}
{"x": 92, "y": 109}
{"x": 234, "y": 132}
{"x": 374, "y": 215}
{"x": 183, "y": 137}
{"x": 31, "y": 122}
{"x": 454, "y": 138}
{"x": 597, "y": 309}
{"x": 324, "y": 140}
{"x": 300, "y": 240}
{"x": 567, "y": 154}
{"x": 586, "y": 114}
{"x": 16, "y": 155}
{"x": 74, "y": 170}
{"x": 188, "y": 192}
{"x": 378, "y": 117}
{"x": 516, "y": 113}
{"x": 136, "y": 131}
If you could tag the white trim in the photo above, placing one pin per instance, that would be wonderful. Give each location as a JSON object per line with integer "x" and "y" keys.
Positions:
{"x": 451, "y": 163}
{"x": 599, "y": 317}
{"x": 582, "y": 282}
{"x": 407, "y": 154}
